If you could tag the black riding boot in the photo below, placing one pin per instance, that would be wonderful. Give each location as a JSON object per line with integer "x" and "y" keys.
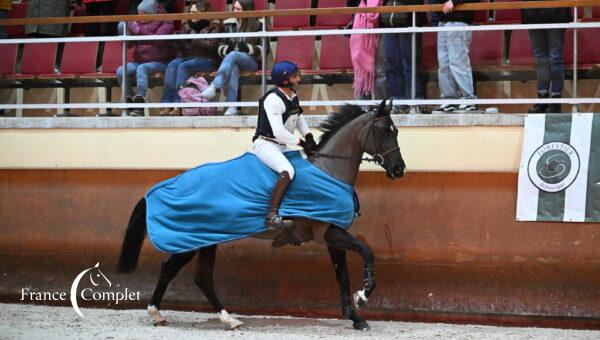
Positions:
{"x": 554, "y": 108}
{"x": 539, "y": 108}
{"x": 274, "y": 221}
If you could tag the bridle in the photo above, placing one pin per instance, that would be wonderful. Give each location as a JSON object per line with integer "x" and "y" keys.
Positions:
{"x": 378, "y": 157}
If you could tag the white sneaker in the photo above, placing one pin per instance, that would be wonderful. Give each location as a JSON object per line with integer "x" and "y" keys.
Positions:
{"x": 232, "y": 111}
{"x": 467, "y": 107}
{"x": 210, "y": 92}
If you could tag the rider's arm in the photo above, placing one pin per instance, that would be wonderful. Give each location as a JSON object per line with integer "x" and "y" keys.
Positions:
{"x": 302, "y": 125}
{"x": 274, "y": 108}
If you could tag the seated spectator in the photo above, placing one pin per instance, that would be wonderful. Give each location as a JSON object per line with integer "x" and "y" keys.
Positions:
{"x": 48, "y": 8}
{"x": 96, "y": 8}
{"x": 547, "y": 47}
{"x": 5, "y": 7}
{"x": 196, "y": 55}
{"x": 239, "y": 54}
{"x": 167, "y": 5}
{"x": 149, "y": 57}
{"x": 454, "y": 66}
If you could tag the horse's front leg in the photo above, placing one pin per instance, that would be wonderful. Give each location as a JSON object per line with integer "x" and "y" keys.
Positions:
{"x": 340, "y": 238}
{"x": 338, "y": 258}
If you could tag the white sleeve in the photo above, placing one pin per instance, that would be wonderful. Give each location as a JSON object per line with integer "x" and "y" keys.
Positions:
{"x": 274, "y": 108}
{"x": 302, "y": 125}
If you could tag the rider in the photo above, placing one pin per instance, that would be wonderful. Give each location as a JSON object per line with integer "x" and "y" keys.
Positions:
{"x": 279, "y": 115}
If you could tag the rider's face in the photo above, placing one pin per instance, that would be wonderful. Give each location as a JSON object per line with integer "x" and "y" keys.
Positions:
{"x": 295, "y": 79}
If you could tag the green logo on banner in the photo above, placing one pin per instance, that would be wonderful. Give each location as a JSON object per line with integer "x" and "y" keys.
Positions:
{"x": 553, "y": 167}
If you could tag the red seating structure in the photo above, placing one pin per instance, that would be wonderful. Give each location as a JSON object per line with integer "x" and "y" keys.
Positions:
{"x": 261, "y": 5}
{"x": 332, "y": 20}
{"x": 78, "y": 29}
{"x": 290, "y": 22}
{"x": 112, "y": 58}
{"x": 8, "y": 59}
{"x": 596, "y": 12}
{"x": 335, "y": 55}
{"x": 486, "y": 48}
{"x": 122, "y": 7}
{"x": 18, "y": 11}
{"x": 296, "y": 49}
{"x": 218, "y": 5}
{"x": 520, "y": 49}
{"x": 79, "y": 59}
{"x": 38, "y": 60}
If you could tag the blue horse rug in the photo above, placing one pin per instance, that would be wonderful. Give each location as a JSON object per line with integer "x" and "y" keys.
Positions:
{"x": 220, "y": 202}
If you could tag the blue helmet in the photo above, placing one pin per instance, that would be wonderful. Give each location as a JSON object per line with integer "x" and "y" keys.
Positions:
{"x": 282, "y": 71}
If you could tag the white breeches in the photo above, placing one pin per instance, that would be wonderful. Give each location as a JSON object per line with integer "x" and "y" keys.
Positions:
{"x": 272, "y": 155}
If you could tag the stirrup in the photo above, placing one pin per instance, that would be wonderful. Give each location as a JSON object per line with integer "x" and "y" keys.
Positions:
{"x": 278, "y": 223}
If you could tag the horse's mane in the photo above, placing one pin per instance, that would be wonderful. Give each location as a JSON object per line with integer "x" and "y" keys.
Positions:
{"x": 336, "y": 120}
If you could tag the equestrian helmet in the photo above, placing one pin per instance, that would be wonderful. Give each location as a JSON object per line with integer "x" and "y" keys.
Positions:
{"x": 283, "y": 71}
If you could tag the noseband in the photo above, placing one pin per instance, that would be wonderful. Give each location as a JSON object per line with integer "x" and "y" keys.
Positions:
{"x": 378, "y": 157}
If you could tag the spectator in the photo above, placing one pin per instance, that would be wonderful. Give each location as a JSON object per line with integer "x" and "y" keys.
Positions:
{"x": 368, "y": 57}
{"x": 168, "y": 5}
{"x": 96, "y": 8}
{"x": 47, "y": 8}
{"x": 149, "y": 57}
{"x": 398, "y": 56}
{"x": 5, "y": 7}
{"x": 454, "y": 73}
{"x": 547, "y": 47}
{"x": 196, "y": 55}
{"x": 239, "y": 54}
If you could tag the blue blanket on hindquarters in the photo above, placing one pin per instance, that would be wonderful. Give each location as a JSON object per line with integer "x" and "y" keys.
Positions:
{"x": 219, "y": 202}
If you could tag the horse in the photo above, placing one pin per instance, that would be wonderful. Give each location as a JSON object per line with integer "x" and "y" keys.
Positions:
{"x": 347, "y": 135}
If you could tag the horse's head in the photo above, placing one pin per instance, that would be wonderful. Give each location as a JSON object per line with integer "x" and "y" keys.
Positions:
{"x": 380, "y": 140}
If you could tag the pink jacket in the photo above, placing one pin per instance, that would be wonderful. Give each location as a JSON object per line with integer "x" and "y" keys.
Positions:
{"x": 146, "y": 51}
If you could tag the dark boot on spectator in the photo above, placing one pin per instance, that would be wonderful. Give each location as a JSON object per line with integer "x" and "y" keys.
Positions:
{"x": 138, "y": 111}
{"x": 539, "y": 108}
{"x": 554, "y": 108}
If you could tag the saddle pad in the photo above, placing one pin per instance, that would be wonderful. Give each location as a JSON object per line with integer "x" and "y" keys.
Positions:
{"x": 220, "y": 202}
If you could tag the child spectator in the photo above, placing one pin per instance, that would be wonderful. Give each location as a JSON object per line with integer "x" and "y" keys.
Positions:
{"x": 547, "y": 47}
{"x": 149, "y": 57}
{"x": 239, "y": 54}
{"x": 196, "y": 55}
{"x": 167, "y": 5}
{"x": 454, "y": 73}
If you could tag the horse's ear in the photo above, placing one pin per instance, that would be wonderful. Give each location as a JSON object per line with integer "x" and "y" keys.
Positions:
{"x": 390, "y": 106}
{"x": 382, "y": 110}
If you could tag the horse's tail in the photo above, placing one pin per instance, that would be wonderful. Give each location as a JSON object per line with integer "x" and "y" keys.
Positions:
{"x": 134, "y": 238}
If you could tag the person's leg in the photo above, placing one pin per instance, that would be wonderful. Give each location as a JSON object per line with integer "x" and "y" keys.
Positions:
{"x": 405, "y": 57}
{"x": 272, "y": 156}
{"x": 539, "y": 48}
{"x": 143, "y": 72}
{"x": 92, "y": 29}
{"x": 244, "y": 63}
{"x": 556, "y": 40}
{"x": 458, "y": 46}
{"x": 108, "y": 8}
{"x": 131, "y": 69}
{"x": 3, "y": 15}
{"x": 447, "y": 86}
{"x": 170, "y": 83}
{"x": 393, "y": 67}
{"x": 380, "y": 88}
{"x": 186, "y": 69}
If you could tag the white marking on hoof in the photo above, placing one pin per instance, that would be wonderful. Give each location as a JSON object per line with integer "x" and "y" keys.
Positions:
{"x": 228, "y": 320}
{"x": 157, "y": 318}
{"x": 360, "y": 299}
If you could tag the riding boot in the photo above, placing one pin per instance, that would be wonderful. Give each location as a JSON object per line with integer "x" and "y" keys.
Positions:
{"x": 273, "y": 220}
{"x": 539, "y": 108}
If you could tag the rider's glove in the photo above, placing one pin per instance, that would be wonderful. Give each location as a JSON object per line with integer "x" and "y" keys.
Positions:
{"x": 309, "y": 145}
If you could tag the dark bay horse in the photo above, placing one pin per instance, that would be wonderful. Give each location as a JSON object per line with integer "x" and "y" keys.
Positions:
{"x": 347, "y": 135}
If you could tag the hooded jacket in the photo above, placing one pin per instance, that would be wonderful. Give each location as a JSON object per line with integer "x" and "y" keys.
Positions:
{"x": 146, "y": 51}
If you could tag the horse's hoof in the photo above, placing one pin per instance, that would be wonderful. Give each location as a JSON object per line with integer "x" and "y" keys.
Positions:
{"x": 360, "y": 299}
{"x": 228, "y": 320}
{"x": 361, "y": 325}
{"x": 157, "y": 318}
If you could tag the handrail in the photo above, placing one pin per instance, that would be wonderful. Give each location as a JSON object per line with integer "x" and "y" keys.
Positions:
{"x": 303, "y": 11}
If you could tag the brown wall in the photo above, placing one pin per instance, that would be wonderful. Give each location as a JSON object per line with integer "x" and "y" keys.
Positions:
{"x": 444, "y": 243}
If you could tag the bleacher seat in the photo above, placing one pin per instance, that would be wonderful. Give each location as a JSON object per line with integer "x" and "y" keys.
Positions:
{"x": 122, "y": 7}
{"x": 335, "y": 55}
{"x": 38, "y": 61}
{"x": 8, "y": 59}
{"x": 78, "y": 59}
{"x": 481, "y": 17}
{"x": 332, "y": 20}
{"x": 596, "y": 12}
{"x": 429, "y": 51}
{"x": 486, "y": 49}
{"x": 588, "y": 48}
{"x": 507, "y": 15}
{"x": 520, "y": 49}
{"x": 18, "y": 11}
{"x": 112, "y": 58}
{"x": 290, "y": 22}
{"x": 218, "y": 5}
{"x": 261, "y": 5}
{"x": 296, "y": 49}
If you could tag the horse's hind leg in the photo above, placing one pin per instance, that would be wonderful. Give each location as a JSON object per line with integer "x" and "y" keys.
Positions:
{"x": 340, "y": 238}
{"x": 338, "y": 258}
{"x": 169, "y": 269}
{"x": 204, "y": 281}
